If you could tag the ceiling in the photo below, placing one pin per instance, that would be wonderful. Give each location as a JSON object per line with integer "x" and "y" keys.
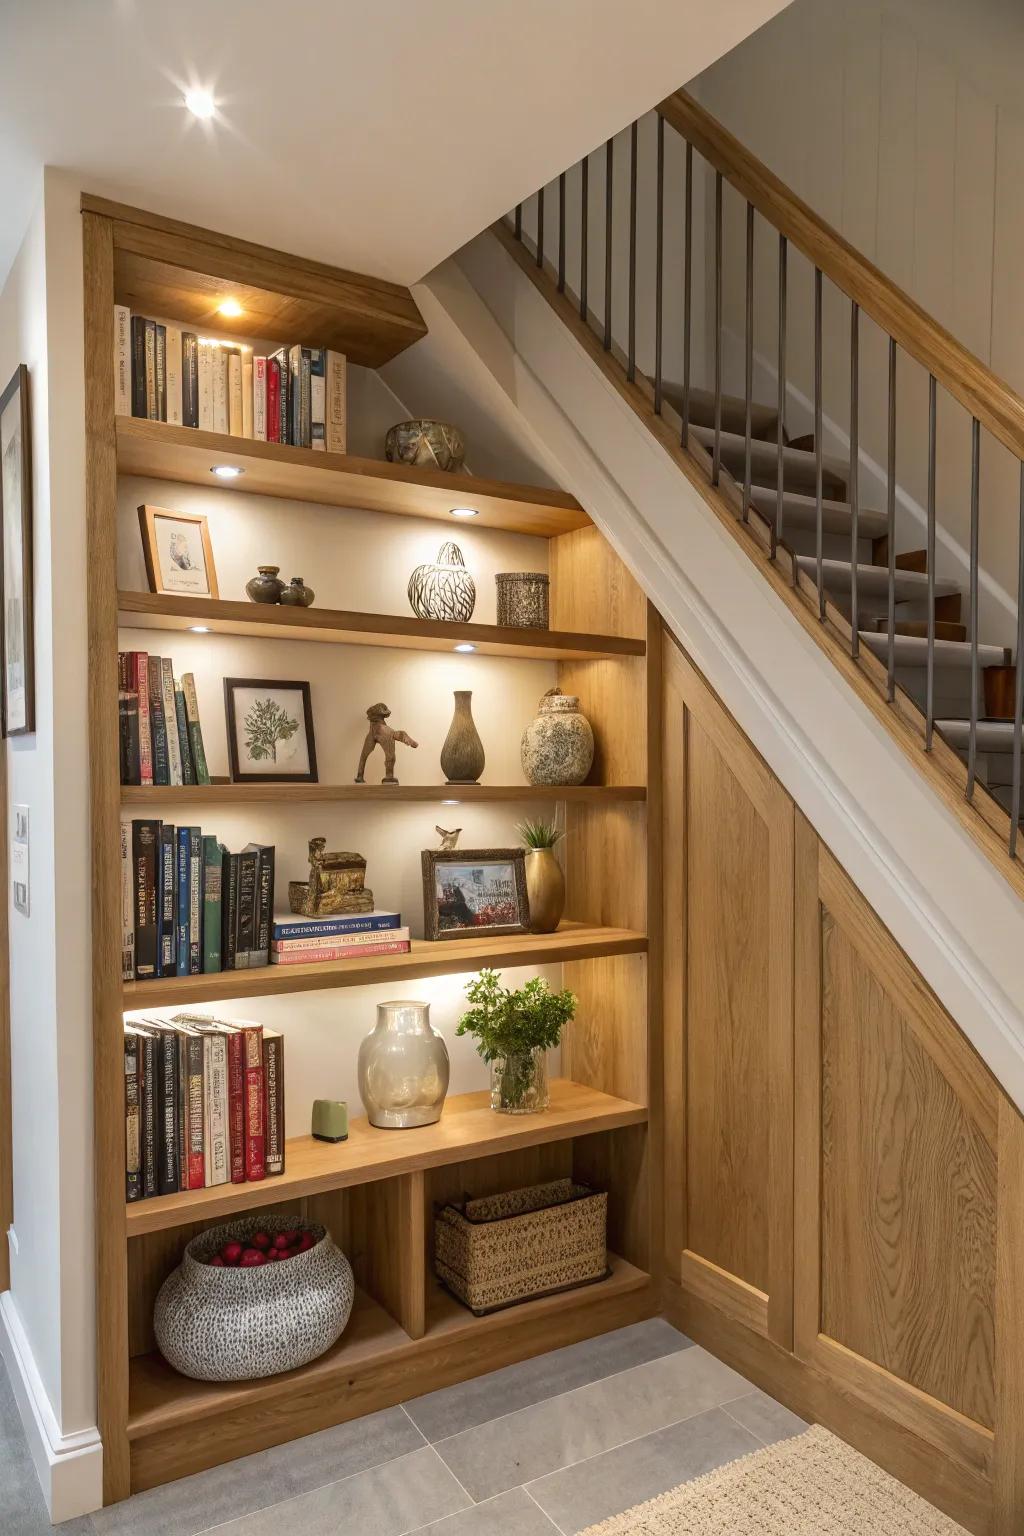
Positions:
{"x": 378, "y": 135}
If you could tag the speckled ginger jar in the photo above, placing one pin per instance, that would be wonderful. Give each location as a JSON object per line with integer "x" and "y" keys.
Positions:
{"x": 242, "y": 1324}
{"x": 558, "y": 744}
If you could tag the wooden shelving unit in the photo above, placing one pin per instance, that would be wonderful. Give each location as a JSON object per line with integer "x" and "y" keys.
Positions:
{"x": 375, "y": 1193}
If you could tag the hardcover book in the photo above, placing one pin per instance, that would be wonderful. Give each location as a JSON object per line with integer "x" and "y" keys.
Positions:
{"x": 145, "y": 838}
{"x": 221, "y": 407}
{"x": 122, "y": 360}
{"x": 213, "y": 859}
{"x": 157, "y": 722}
{"x": 280, "y": 360}
{"x": 195, "y": 730}
{"x": 128, "y": 729}
{"x": 184, "y": 903}
{"x": 259, "y": 399}
{"x": 245, "y": 913}
{"x": 247, "y": 396}
{"x": 171, "y": 722}
{"x": 229, "y": 911}
{"x": 206, "y": 352}
{"x": 195, "y": 901}
{"x": 343, "y": 943}
{"x": 264, "y": 902}
{"x": 132, "y": 1131}
{"x": 167, "y": 912}
{"x": 273, "y": 1087}
{"x": 127, "y": 905}
{"x": 140, "y": 685}
{"x": 189, "y": 379}
{"x": 188, "y": 771}
{"x": 342, "y": 952}
{"x": 138, "y": 339}
{"x": 173, "y": 412}
{"x": 274, "y": 412}
{"x": 149, "y": 1044}
{"x": 318, "y": 398}
{"x": 215, "y": 1106}
{"x": 336, "y": 423}
{"x": 168, "y": 1145}
{"x": 255, "y": 1136}
{"x": 160, "y": 371}
{"x": 234, "y": 358}
{"x": 152, "y": 399}
{"x": 290, "y": 926}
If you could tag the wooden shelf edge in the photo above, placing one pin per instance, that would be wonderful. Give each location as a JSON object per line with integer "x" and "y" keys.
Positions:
{"x": 149, "y": 610}
{"x": 300, "y": 794}
{"x": 162, "y": 1401}
{"x": 573, "y": 941}
{"x": 162, "y": 451}
{"x": 469, "y": 1128}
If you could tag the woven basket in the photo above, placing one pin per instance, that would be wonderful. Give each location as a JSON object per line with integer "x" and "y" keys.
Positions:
{"x": 495, "y": 1252}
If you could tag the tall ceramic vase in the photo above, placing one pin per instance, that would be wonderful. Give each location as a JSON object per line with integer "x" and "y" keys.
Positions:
{"x": 545, "y": 889}
{"x": 462, "y": 756}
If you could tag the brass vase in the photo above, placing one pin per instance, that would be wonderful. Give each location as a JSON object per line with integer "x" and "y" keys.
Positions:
{"x": 545, "y": 889}
{"x": 462, "y": 756}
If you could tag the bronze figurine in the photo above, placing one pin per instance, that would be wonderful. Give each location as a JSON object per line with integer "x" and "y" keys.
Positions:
{"x": 381, "y": 735}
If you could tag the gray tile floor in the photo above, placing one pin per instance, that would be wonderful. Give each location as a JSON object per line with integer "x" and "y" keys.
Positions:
{"x": 548, "y": 1446}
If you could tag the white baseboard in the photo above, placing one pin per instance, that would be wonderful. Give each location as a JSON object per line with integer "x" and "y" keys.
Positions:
{"x": 69, "y": 1467}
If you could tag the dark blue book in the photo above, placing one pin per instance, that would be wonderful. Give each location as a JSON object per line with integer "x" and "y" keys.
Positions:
{"x": 286, "y": 927}
{"x": 195, "y": 900}
{"x": 167, "y": 904}
{"x": 184, "y": 904}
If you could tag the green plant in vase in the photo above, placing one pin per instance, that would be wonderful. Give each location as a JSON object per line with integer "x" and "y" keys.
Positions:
{"x": 513, "y": 1032}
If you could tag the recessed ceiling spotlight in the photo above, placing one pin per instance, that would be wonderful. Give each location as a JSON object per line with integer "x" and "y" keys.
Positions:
{"x": 200, "y": 103}
{"x": 451, "y": 802}
{"x": 465, "y": 646}
{"x": 199, "y": 629}
{"x": 464, "y": 512}
{"x": 226, "y": 471}
{"x": 231, "y": 309}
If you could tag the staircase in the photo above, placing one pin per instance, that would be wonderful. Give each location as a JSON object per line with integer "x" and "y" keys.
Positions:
{"x": 852, "y": 570}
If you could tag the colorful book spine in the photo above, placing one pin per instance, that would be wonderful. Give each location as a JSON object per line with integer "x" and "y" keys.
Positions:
{"x": 229, "y": 911}
{"x": 318, "y": 398}
{"x": 351, "y": 941}
{"x": 259, "y": 399}
{"x": 195, "y": 730}
{"x": 328, "y": 927}
{"x": 195, "y": 901}
{"x": 122, "y": 360}
{"x": 273, "y": 400}
{"x": 216, "y": 1148}
{"x": 336, "y": 424}
{"x": 184, "y": 905}
{"x": 264, "y": 902}
{"x": 145, "y": 837}
{"x": 132, "y": 1119}
{"x": 158, "y": 722}
{"x": 167, "y": 915}
{"x": 343, "y": 952}
{"x": 188, "y": 771}
{"x": 169, "y": 1150}
{"x": 149, "y": 1045}
{"x": 213, "y": 860}
{"x": 196, "y": 1112}
{"x": 273, "y": 1088}
{"x": 236, "y": 1104}
{"x": 299, "y": 396}
{"x": 280, "y": 358}
{"x": 171, "y": 722}
{"x": 127, "y": 905}
{"x": 152, "y": 398}
{"x": 140, "y": 683}
{"x": 255, "y": 1134}
{"x": 245, "y": 913}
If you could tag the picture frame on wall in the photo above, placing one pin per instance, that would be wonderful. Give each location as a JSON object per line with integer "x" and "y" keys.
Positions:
{"x": 270, "y": 731}
{"x": 179, "y": 555}
{"x": 472, "y": 892}
{"x": 17, "y": 650}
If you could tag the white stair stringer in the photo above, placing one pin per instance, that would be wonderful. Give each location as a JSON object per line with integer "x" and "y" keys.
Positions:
{"x": 945, "y": 902}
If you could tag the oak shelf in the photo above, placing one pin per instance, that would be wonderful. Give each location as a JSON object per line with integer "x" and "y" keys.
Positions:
{"x": 160, "y": 451}
{"x": 573, "y": 941}
{"x": 161, "y": 1401}
{"x": 201, "y": 795}
{"x": 337, "y": 626}
{"x": 468, "y": 1128}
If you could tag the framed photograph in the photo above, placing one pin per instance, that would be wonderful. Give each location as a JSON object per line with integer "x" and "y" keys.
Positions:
{"x": 270, "y": 731}
{"x": 179, "y": 556}
{"x": 474, "y": 891}
{"x": 16, "y": 636}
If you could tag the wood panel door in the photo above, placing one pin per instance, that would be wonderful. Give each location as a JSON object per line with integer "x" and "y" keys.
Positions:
{"x": 728, "y": 1000}
{"x": 897, "y": 1135}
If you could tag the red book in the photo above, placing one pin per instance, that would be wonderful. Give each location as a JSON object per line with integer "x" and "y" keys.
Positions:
{"x": 140, "y": 685}
{"x": 236, "y": 1105}
{"x": 273, "y": 400}
{"x": 255, "y": 1130}
{"x": 338, "y": 952}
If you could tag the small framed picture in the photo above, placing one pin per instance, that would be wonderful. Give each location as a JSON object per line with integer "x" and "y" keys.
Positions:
{"x": 270, "y": 731}
{"x": 179, "y": 556}
{"x": 474, "y": 891}
{"x": 17, "y": 703}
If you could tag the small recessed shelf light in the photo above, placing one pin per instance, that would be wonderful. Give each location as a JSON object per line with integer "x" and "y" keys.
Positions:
{"x": 231, "y": 308}
{"x": 226, "y": 471}
{"x": 199, "y": 629}
{"x": 200, "y": 103}
{"x": 451, "y": 802}
{"x": 464, "y": 646}
{"x": 465, "y": 512}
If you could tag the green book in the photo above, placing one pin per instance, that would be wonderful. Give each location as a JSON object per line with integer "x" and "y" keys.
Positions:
{"x": 213, "y": 860}
{"x": 195, "y": 730}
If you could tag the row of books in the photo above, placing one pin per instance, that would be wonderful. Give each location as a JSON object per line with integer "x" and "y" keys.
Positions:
{"x": 204, "y": 1103}
{"x": 188, "y": 906}
{"x": 307, "y": 940}
{"x": 161, "y": 738}
{"x": 294, "y": 395}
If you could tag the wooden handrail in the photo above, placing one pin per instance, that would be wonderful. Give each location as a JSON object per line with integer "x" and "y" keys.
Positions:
{"x": 965, "y": 376}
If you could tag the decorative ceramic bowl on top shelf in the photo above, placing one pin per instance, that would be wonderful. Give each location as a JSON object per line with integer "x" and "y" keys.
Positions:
{"x": 426, "y": 445}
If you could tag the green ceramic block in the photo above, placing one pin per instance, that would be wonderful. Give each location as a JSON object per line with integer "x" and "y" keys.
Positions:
{"x": 330, "y": 1120}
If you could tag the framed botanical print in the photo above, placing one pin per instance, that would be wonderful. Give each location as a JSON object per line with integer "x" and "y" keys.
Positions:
{"x": 16, "y": 634}
{"x": 270, "y": 731}
{"x": 179, "y": 555}
{"x": 471, "y": 892}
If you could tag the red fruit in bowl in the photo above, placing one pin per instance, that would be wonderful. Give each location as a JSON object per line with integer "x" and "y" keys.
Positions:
{"x": 251, "y": 1257}
{"x": 217, "y": 1262}
{"x": 272, "y": 1255}
{"x": 286, "y": 1253}
{"x": 231, "y": 1253}
{"x": 284, "y": 1239}
{"x": 306, "y": 1241}
{"x": 260, "y": 1240}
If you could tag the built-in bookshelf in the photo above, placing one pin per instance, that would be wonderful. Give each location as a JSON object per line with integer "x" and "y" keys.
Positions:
{"x": 376, "y": 1191}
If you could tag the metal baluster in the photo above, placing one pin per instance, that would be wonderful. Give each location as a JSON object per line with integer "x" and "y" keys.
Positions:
{"x": 659, "y": 262}
{"x": 540, "y": 227}
{"x": 972, "y": 740}
{"x": 584, "y": 233}
{"x": 519, "y": 221}
{"x": 561, "y": 233}
{"x": 781, "y": 435}
{"x": 716, "y": 463}
{"x": 1018, "y": 694}
{"x": 631, "y": 360}
{"x": 854, "y": 481}
{"x": 608, "y": 180}
{"x": 687, "y": 270}
{"x": 929, "y": 686}
{"x": 749, "y": 378}
{"x": 890, "y": 676}
{"x": 819, "y": 514}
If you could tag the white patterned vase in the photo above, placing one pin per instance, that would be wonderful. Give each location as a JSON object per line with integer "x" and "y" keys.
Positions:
{"x": 444, "y": 590}
{"x": 242, "y": 1324}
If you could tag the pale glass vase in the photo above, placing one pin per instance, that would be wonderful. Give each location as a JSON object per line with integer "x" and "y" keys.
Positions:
{"x": 519, "y": 1083}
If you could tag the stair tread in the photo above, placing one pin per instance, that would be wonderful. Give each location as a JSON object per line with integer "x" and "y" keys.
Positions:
{"x": 912, "y": 651}
{"x": 992, "y": 735}
{"x": 801, "y": 511}
{"x": 762, "y": 450}
{"x": 874, "y": 579}
{"x": 763, "y": 418}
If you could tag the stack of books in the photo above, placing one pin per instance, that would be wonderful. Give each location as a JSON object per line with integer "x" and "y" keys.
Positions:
{"x": 304, "y": 940}
{"x": 204, "y": 1103}
{"x": 188, "y": 906}
{"x": 294, "y": 395}
{"x": 161, "y": 738}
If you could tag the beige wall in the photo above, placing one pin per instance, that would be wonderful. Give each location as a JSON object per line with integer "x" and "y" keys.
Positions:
{"x": 901, "y": 122}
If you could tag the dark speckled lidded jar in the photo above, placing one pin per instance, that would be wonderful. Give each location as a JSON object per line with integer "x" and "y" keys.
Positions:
{"x": 522, "y": 599}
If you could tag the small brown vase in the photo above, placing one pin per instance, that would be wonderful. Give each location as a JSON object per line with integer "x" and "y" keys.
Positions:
{"x": 297, "y": 594}
{"x": 267, "y": 586}
{"x": 462, "y": 756}
{"x": 545, "y": 888}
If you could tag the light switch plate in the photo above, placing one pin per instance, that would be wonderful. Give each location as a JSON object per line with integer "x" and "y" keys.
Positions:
{"x": 19, "y": 859}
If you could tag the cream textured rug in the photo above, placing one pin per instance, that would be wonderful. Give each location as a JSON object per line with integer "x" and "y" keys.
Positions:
{"x": 812, "y": 1485}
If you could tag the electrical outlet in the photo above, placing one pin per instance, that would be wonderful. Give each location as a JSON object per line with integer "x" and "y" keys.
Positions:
{"x": 19, "y": 859}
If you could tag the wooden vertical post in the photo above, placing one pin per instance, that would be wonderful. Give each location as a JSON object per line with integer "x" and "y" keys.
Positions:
{"x": 1008, "y": 1468}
